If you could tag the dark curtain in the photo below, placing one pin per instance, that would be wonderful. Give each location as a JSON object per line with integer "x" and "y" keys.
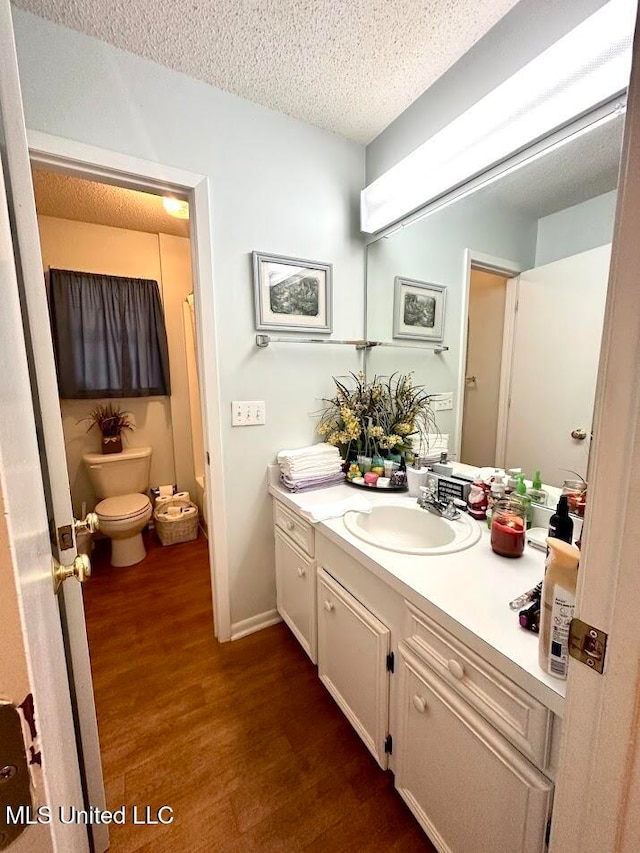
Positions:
{"x": 109, "y": 336}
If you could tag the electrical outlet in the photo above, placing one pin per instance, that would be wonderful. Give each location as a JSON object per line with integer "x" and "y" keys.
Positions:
{"x": 248, "y": 413}
{"x": 443, "y": 402}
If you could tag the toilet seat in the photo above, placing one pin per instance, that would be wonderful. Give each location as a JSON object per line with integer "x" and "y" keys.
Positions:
{"x": 123, "y": 507}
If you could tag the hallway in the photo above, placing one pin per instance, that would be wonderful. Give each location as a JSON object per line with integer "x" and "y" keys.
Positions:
{"x": 240, "y": 739}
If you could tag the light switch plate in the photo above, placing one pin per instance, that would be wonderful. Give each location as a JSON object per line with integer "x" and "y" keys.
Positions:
{"x": 443, "y": 402}
{"x": 248, "y": 413}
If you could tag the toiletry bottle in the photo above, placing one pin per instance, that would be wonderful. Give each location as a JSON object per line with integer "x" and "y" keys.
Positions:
{"x": 496, "y": 492}
{"x": 477, "y": 501}
{"x": 523, "y": 497}
{"x": 512, "y": 479}
{"x": 558, "y": 605}
{"x": 536, "y": 492}
{"x": 560, "y": 523}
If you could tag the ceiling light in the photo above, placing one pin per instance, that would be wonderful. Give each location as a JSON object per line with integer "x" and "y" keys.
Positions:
{"x": 585, "y": 68}
{"x": 176, "y": 207}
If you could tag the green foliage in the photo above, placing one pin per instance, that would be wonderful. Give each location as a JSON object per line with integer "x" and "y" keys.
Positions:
{"x": 111, "y": 420}
{"x": 382, "y": 415}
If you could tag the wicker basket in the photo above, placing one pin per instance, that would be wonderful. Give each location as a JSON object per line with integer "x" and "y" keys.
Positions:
{"x": 173, "y": 529}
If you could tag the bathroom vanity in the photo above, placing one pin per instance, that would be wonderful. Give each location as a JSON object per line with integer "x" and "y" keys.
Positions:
{"x": 427, "y": 662}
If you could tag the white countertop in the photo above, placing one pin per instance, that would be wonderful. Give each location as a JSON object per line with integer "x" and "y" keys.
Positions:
{"x": 472, "y": 588}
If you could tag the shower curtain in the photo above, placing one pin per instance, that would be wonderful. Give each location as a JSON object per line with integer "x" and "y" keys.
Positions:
{"x": 194, "y": 388}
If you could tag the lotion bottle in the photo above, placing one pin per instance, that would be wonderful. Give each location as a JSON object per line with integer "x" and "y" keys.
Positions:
{"x": 558, "y": 604}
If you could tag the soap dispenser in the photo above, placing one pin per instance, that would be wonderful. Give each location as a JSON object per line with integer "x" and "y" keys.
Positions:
{"x": 536, "y": 492}
{"x": 525, "y": 500}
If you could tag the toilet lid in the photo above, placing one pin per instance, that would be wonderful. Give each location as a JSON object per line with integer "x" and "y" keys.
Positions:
{"x": 123, "y": 506}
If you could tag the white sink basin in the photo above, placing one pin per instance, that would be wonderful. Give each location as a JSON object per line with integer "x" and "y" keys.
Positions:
{"x": 409, "y": 529}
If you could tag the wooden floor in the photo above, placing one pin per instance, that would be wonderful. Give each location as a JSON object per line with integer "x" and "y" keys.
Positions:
{"x": 240, "y": 739}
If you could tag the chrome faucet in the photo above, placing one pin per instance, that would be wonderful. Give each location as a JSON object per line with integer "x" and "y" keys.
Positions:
{"x": 427, "y": 500}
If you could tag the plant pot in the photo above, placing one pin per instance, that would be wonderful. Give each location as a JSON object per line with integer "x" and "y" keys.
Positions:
{"x": 112, "y": 444}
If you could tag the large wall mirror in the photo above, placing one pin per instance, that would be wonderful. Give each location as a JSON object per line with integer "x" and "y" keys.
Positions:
{"x": 524, "y": 263}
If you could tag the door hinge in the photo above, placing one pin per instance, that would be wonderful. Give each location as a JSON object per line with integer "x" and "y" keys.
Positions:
{"x": 587, "y": 644}
{"x": 390, "y": 662}
{"x": 388, "y": 745}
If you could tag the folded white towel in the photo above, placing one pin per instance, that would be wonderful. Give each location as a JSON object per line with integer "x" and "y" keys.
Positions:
{"x": 305, "y": 452}
{"x": 312, "y": 462}
{"x": 336, "y": 509}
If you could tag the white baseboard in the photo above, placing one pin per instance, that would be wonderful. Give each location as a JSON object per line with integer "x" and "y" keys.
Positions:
{"x": 254, "y": 623}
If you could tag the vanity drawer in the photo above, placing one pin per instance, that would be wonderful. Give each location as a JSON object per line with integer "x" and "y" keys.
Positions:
{"x": 295, "y": 527}
{"x": 520, "y": 717}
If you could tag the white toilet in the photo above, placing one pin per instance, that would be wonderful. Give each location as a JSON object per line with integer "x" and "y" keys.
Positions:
{"x": 122, "y": 481}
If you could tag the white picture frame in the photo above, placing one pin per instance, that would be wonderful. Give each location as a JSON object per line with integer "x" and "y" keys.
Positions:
{"x": 292, "y": 295}
{"x": 418, "y": 310}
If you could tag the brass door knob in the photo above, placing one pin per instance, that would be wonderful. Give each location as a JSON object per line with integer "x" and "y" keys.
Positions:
{"x": 80, "y": 569}
{"x": 579, "y": 434}
{"x": 90, "y": 523}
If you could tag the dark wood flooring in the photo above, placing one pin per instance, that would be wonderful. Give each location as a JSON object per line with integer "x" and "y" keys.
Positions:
{"x": 240, "y": 739}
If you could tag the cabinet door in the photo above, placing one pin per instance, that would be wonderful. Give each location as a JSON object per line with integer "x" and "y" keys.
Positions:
{"x": 296, "y": 592}
{"x": 468, "y": 787}
{"x": 352, "y": 662}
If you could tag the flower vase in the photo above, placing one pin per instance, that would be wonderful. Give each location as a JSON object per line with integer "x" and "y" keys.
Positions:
{"x": 112, "y": 444}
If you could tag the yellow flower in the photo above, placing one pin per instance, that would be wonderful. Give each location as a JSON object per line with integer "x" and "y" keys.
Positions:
{"x": 375, "y": 432}
{"x": 390, "y": 441}
{"x": 404, "y": 428}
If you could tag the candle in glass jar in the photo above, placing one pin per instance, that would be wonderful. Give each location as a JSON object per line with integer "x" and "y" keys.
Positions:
{"x": 508, "y": 529}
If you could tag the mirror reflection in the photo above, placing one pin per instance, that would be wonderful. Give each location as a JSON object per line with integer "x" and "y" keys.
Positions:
{"x": 516, "y": 274}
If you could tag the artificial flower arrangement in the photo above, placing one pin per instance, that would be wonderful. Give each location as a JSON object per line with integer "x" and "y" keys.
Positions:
{"x": 379, "y": 417}
{"x": 111, "y": 421}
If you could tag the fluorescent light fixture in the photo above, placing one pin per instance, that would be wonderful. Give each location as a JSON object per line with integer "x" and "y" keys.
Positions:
{"x": 176, "y": 207}
{"x": 584, "y": 69}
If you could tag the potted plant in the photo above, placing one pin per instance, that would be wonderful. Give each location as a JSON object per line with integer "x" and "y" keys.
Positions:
{"x": 381, "y": 416}
{"x": 111, "y": 420}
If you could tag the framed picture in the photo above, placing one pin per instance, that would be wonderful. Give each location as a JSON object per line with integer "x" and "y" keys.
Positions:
{"x": 292, "y": 295}
{"x": 418, "y": 310}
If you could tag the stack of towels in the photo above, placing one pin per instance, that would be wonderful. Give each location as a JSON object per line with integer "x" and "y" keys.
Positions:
{"x": 310, "y": 467}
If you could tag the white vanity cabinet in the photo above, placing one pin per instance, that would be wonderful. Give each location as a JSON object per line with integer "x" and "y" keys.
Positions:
{"x": 472, "y": 751}
{"x": 469, "y": 788}
{"x": 296, "y": 576}
{"x": 353, "y": 646}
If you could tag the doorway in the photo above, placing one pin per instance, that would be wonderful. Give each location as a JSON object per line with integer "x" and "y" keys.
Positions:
{"x": 95, "y": 164}
{"x": 138, "y": 616}
{"x": 483, "y": 367}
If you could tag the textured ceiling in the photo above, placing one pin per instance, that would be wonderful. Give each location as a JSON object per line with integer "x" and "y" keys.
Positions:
{"x": 571, "y": 174}
{"x": 102, "y": 204}
{"x": 350, "y": 66}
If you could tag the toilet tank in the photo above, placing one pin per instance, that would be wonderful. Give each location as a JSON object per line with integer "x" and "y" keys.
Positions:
{"x": 114, "y": 474}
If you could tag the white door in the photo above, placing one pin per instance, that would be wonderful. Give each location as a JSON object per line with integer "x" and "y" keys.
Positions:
{"x": 352, "y": 662}
{"x": 556, "y": 349}
{"x": 54, "y": 627}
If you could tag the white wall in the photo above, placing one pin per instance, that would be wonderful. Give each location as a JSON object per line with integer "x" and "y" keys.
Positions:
{"x": 277, "y": 185}
{"x": 524, "y": 32}
{"x": 433, "y": 250}
{"x": 576, "y": 229}
{"x": 162, "y": 423}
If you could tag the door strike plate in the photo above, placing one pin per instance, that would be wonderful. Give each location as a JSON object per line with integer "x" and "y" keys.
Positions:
{"x": 65, "y": 537}
{"x": 587, "y": 644}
